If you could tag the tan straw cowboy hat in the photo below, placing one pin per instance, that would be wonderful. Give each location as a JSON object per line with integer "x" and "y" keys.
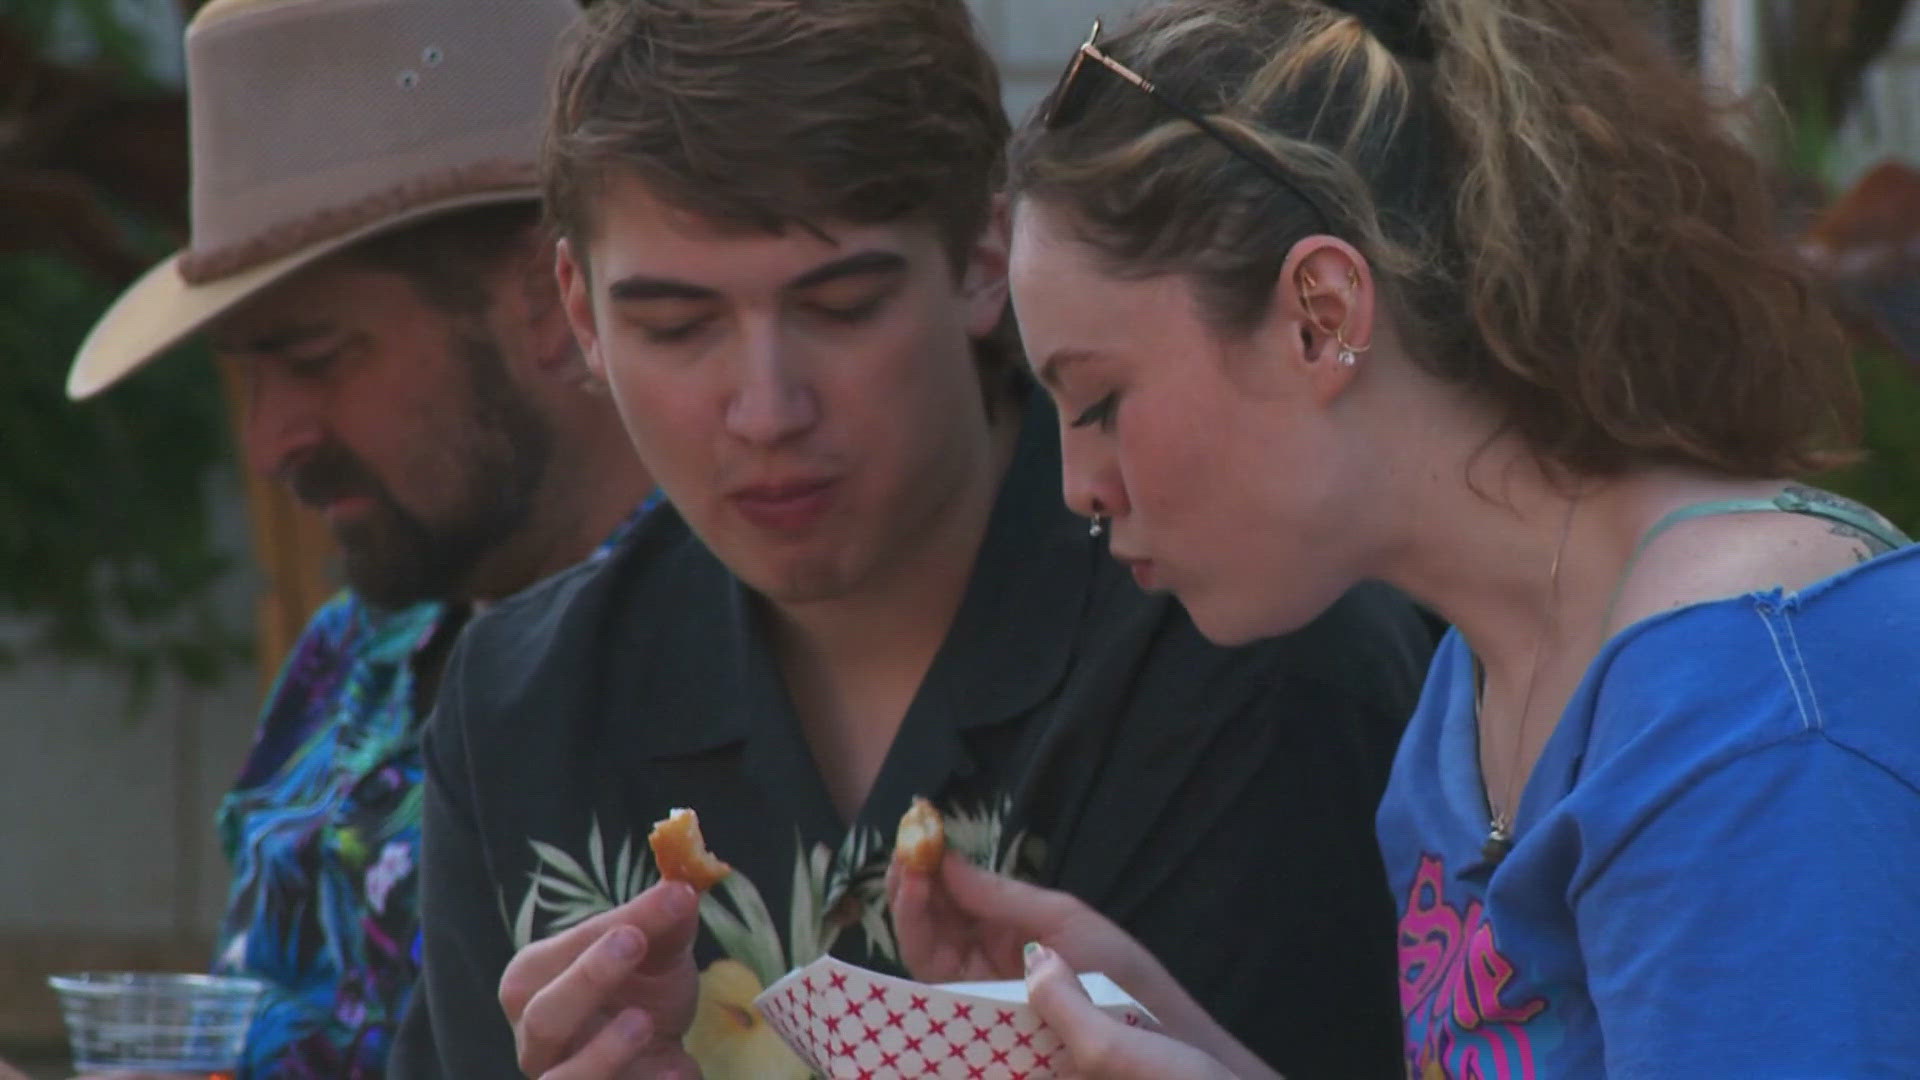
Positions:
{"x": 316, "y": 123}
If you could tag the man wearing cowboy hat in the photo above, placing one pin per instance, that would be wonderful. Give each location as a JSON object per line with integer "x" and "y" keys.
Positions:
{"x": 367, "y": 247}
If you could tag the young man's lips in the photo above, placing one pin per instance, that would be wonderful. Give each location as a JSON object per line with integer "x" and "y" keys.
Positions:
{"x": 346, "y": 506}
{"x": 785, "y": 506}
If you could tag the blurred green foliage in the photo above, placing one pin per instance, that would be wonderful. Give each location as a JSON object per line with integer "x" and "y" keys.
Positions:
{"x": 107, "y": 553}
{"x": 1889, "y": 479}
{"x": 119, "y": 47}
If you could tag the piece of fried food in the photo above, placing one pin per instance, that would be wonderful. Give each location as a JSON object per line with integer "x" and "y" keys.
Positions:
{"x": 921, "y": 839}
{"x": 681, "y": 853}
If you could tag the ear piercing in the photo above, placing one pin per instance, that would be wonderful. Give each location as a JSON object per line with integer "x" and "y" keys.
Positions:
{"x": 1349, "y": 354}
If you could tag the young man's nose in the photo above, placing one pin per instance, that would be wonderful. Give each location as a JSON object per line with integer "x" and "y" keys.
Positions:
{"x": 773, "y": 396}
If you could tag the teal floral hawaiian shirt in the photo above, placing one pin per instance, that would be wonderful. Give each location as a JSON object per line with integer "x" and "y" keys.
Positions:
{"x": 322, "y": 830}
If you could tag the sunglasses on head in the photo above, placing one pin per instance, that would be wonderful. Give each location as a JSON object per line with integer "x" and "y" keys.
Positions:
{"x": 1069, "y": 103}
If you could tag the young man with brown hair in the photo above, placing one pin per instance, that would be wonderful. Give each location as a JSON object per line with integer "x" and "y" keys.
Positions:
{"x": 780, "y": 250}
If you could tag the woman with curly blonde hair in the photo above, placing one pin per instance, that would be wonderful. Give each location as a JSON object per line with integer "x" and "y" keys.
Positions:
{"x": 1479, "y": 297}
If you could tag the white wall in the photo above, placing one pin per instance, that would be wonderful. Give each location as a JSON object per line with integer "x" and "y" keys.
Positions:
{"x": 108, "y": 856}
{"x": 1886, "y": 122}
{"x": 1034, "y": 38}
{"x": 106, "y": 816}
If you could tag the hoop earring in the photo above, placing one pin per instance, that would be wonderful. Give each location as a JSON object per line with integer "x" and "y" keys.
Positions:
{"x": 1349, "y": 354}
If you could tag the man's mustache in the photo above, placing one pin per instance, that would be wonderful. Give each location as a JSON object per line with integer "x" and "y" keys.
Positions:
{"x": 330, "y": 473}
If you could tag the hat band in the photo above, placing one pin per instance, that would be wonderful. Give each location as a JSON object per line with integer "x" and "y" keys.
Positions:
{"x": 198, "y": 266}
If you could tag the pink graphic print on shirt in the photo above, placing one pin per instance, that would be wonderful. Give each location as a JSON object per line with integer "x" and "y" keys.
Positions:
{"x": 1451, "y": 978}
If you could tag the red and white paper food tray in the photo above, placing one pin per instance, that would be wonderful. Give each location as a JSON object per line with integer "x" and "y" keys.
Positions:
{"x": 849, "y": 1023}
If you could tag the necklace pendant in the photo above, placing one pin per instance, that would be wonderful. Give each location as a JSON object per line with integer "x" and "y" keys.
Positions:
{"x": 1499, "y": 842}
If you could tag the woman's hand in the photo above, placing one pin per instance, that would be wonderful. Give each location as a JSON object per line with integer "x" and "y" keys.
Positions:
{"x": 964, "y": 924}
{"x": 1101, "y": 1047}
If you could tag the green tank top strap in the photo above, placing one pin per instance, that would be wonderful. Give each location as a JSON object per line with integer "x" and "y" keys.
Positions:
{"x": 1788, "y": 501}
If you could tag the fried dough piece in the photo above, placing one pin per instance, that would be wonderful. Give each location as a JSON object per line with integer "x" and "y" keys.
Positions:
{"x": 681, "y": 853}
{"x": 921, "y": 839}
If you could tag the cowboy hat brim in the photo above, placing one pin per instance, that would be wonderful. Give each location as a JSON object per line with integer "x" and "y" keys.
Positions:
{"x": 163, "y": 309}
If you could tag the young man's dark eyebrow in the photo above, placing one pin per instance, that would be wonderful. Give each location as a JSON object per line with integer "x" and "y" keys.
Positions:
{"x": 641, "y": 288}
{"x": 638, "y": 287}
{"x": 864, "y": 262}
{"x": 1059, "y": 361}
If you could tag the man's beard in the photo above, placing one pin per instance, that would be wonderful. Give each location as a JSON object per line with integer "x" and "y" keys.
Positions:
{"x": 391, "y": 556}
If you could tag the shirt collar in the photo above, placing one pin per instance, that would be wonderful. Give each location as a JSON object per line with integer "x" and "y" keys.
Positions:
{"x": 1008, "y": 648}
{"x": 394, "y": 635}
{"x": 1015, "y": 632}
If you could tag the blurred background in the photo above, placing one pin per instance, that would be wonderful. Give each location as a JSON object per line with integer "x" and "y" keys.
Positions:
{"x": 148, "y": 589}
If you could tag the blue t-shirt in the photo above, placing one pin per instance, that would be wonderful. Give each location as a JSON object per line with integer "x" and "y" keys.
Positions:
{"x": 1716, "y": 864}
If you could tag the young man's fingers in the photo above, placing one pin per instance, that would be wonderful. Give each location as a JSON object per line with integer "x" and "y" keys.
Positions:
{"x": 667, "y": 914}
{"x": 611, "y": 1053}
{"x": 558, "y": 1017}
{"x": 627, "y": 1048}
{"x": 533, "y": 967}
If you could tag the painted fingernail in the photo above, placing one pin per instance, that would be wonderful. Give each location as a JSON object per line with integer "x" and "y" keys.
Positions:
{"x": 1033, "y": 954}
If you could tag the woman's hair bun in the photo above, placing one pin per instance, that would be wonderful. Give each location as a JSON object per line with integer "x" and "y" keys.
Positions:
{"x": 1400, "y": 25}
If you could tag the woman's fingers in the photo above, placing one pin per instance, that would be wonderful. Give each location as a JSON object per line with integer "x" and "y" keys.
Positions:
{"x": 1001, "y": 901}
{"x": 914, "y": 928}
{"x": 963, "y": 922}
{"x": 1100, "y": 1046}
{"x": 938, "y": 942}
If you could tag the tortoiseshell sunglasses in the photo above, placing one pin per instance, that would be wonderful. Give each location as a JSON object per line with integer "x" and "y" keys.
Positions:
{"x": 1069, "y": 102}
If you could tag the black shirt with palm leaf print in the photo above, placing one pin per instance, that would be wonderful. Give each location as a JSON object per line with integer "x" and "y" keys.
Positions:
{"x": 1217, "y": 803}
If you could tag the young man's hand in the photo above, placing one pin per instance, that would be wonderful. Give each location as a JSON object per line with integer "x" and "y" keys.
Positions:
{"x": 612, "y": 997}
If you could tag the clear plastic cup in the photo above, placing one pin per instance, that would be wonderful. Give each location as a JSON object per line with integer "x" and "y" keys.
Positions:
{"x": 157, "y": 1023}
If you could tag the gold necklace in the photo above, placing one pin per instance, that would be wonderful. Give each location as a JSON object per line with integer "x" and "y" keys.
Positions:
{"x": 1499, "y": 821}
